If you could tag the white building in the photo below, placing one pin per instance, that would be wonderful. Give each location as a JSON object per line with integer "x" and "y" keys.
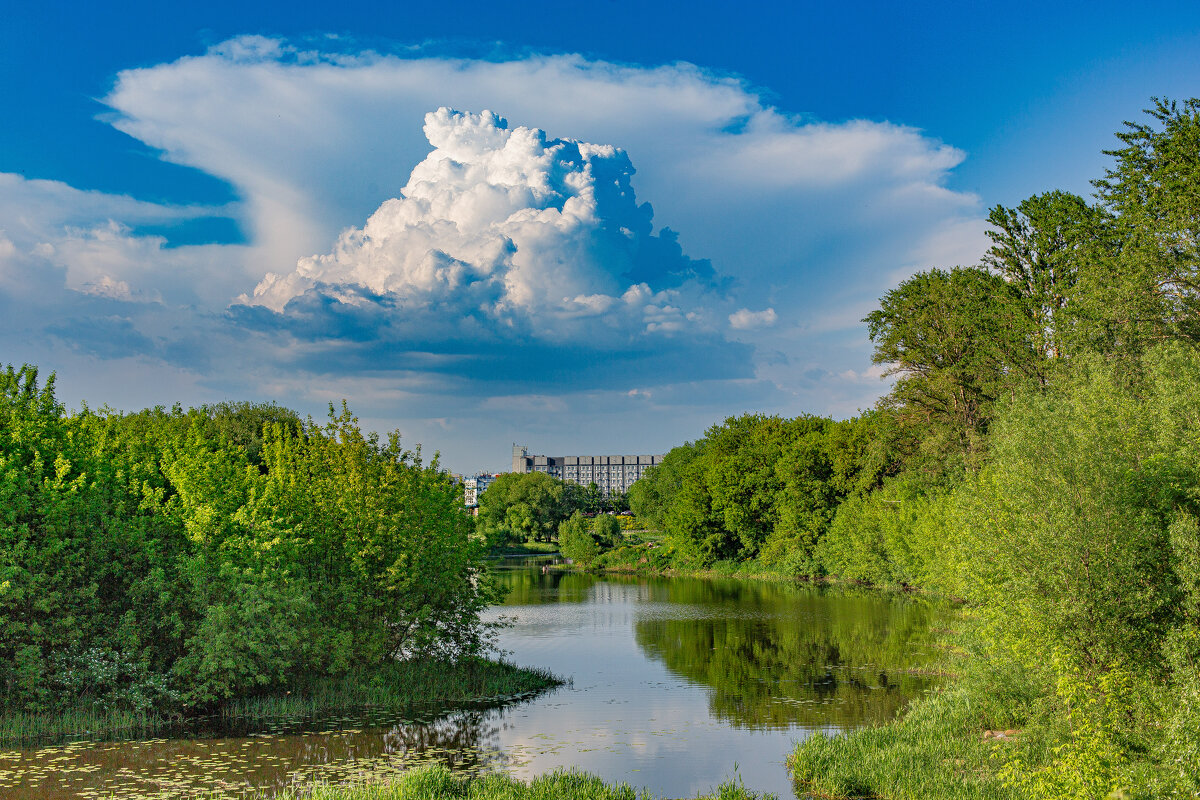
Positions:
{"x": 473, "y": 487}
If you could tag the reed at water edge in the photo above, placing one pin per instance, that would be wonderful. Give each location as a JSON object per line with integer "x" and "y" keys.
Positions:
{"x": 401, "y": 684}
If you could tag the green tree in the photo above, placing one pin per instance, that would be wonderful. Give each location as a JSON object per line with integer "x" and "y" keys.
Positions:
{"x": 1041, "y": 248}
{"x": 960, "y": 340}
{"x": 607, "y": 531}
{"x": 590, "y": 500}
{"x": 655, "y": 492}
{"x": 1152, "y": 290}
{"x": 618, "y": 501}
{"x": 521, "y": 507}
{"x": 575, "y": 539}
{"x": 242, "y": 424}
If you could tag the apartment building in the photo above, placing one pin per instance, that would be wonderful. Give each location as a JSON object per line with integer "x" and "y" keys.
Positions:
{"x": 473, "y": 487}
{"x": 611, "y": 473}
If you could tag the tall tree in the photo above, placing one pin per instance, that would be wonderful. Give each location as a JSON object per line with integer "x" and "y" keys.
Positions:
{"x": 1041, "y": 247}
{"x": 1153, "y": 192}
{"x": 959, "y": 340}
{"x": 656, "y": 491}
{"x": 522, "y": 507}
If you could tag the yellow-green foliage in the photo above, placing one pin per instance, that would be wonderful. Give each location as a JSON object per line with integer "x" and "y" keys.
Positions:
{"x": 1090, "y": 763}
{"x": 1057, "y": 385}
{"x": 175, "y": 559}
{"x": 1078, "y": 539}
{"x": 576, "y": 541}
{"x": 903, "y": 534}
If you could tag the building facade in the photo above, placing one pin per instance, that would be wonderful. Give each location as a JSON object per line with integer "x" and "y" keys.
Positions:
{"x": 473, "y": 487}
{"x": 612, "y": 474}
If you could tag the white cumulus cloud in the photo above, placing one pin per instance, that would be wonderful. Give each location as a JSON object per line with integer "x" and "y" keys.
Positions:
{"x": 744, "y": 319}
{"x": 531, "y": 233}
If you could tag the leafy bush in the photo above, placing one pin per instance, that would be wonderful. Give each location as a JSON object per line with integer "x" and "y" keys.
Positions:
{"x": 575, "y": 539}
{"x": 177, "y": 558}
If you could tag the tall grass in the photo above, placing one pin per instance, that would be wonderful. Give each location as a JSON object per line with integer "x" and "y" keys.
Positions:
{"x": 398, "y": 685}
{"x": 937, "y": 750}
{"x": 438, "y": 783}
{"x": 80, "y": 723}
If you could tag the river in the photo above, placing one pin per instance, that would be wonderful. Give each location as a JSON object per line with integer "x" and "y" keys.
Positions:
{"x": 676, "y": 684}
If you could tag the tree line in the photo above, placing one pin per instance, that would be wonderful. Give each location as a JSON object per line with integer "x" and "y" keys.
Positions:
{"x": 531, "y": 506}
{"x": 171, "y": 559}
{"x": 1038, "y": 456}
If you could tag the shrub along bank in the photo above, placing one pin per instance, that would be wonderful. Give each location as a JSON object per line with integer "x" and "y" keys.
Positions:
{"x": 167, "y": 562}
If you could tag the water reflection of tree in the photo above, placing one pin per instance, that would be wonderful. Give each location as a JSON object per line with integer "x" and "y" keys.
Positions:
{"x": 780, "y": 655}
{"x": 463, "y": 740}
{"x": 531, "y": 587}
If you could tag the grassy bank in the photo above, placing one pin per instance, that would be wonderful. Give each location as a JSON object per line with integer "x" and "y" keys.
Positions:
{"x": 525, "y": 549}
{"x": 438, "y": 783}
{"x": 649, "y": 558}
{"x": 938, "y": 749}
{"x": 398, "y": 685}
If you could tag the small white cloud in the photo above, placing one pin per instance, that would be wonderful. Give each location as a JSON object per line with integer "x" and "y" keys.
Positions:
{"x": 744, "y": 319}
{"x": 249, "y": 49}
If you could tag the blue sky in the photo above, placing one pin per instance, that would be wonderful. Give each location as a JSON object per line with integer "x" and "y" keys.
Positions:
{"x": 204, "y": 201}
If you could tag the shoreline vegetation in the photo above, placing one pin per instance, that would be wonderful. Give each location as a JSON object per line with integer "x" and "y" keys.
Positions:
{"x": 439, "y": 783}
{"x": 167, "y": 565}
{"x": 1037, "y": 457}
{"x": 414, "y": 683}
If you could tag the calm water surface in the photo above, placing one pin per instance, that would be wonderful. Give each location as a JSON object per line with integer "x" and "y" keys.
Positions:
{"x": 675, "y": 683}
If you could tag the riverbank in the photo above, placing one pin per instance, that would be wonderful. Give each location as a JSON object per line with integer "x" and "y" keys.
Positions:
{"x": 952, "y": 743}
{"x": 402, "y": 684}
{"x": 439, "y": 783}
{"x": 645, "y": 560}
{"x": 990, "y": 733}
{"x": 940, "y": 748}
{"x": 525, "y": 549}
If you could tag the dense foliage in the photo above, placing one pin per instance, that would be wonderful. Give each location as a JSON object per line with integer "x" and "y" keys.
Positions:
{"x": 171, "y": 559}
{"x": 758, "y": 487}
{"x": 582, "y": 539}
{"x": 529, "y": 507}
{"x": 1038, "y": 456}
